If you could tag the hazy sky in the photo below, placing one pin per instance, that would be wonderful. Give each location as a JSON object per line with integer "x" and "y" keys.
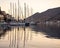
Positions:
{"x": 37, "y": 5}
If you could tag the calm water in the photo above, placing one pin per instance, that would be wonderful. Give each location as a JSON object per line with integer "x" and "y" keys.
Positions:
{"x": 30, "y": 37}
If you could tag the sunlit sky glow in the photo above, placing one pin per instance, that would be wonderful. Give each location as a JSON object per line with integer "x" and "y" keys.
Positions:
{"x": 37, "y": 5}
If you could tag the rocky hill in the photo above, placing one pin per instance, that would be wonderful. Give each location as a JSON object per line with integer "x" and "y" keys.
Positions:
{"x": 48, "y": 15}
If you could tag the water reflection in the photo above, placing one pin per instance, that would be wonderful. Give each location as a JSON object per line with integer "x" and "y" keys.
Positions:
{"x": 30, "y": 37}
{"x": 3, "y": 31}
{"x": 49, "y": 31}
{"x": 17, "y": 36}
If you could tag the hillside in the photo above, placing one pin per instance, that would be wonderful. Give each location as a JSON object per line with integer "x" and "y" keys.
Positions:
{"x": 48, "y": 15}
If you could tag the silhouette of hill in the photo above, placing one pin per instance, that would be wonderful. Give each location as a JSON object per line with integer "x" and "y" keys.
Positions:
{"x": 48, "y": 15}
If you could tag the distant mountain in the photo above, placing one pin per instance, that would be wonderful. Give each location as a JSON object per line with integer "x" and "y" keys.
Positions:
{"x": 49, "y": 15}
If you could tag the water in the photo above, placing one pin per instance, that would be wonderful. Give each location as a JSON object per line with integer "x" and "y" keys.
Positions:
{"x": 30, "y": 37}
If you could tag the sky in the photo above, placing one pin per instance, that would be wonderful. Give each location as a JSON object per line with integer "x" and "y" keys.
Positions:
{"x": 37, "y": 5}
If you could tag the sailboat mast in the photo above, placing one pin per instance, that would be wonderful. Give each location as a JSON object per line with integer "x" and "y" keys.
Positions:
{"x": 15, "y": 10}
{"x": 31, "y": 14}
{"x": 10, "y": 8}
{"x": 31, "y": 11}
{"x": 25, "y": 10}
{"x": 22, "y": 13}
{"x": 18, "y": 10}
